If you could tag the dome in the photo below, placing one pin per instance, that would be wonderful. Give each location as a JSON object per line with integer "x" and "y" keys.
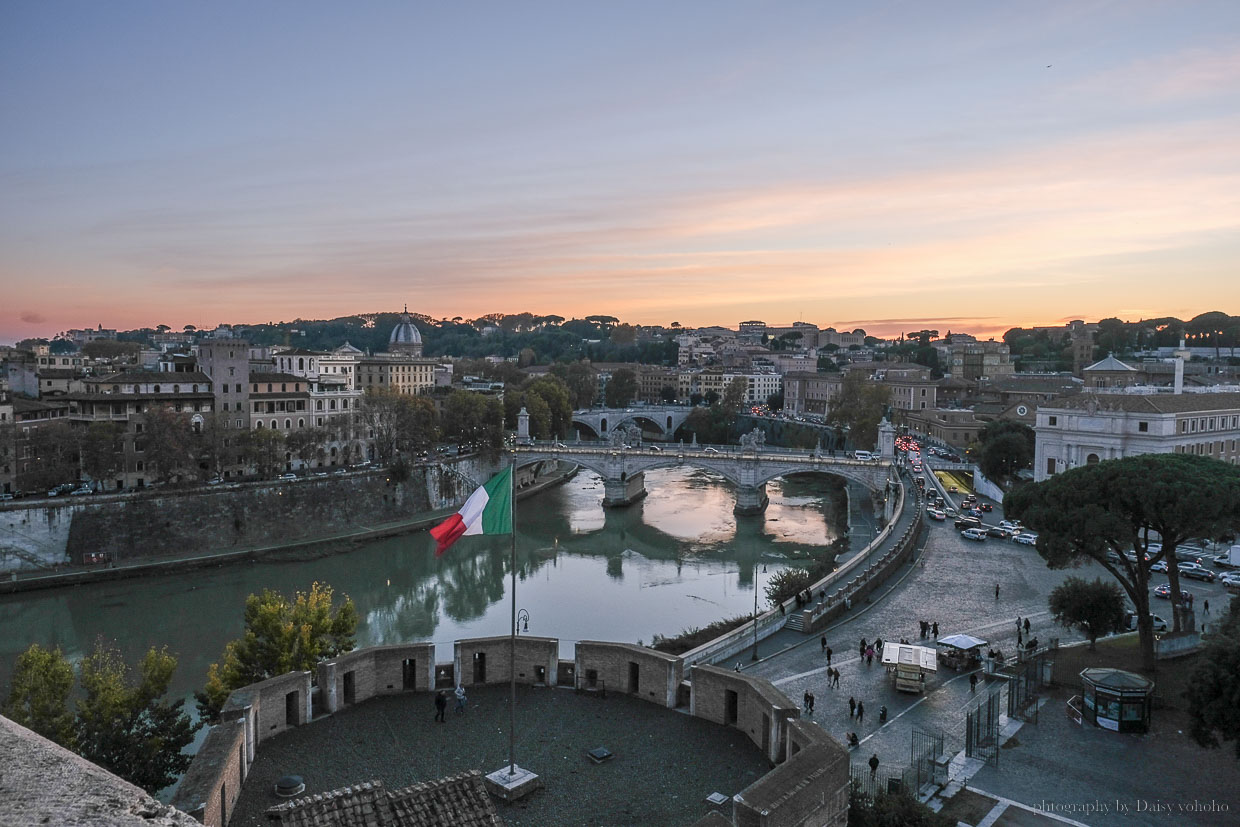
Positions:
{"x": 405, "y": 337}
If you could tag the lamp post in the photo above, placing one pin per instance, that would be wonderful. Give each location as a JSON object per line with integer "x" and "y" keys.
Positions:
{"x": 754, "y": 656}
{"x": 523, "y": 621}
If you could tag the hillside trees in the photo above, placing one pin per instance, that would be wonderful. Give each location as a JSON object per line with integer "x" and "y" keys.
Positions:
{"x": 859, "y": 406}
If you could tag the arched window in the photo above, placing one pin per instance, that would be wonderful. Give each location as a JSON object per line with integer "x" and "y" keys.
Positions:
{"x": 301, "y": 363}
{"x": 176, "y": 388}
{"x": 258, "y": 426}
{"x": 1092, "y": 459}
{"x": 275, "y": 425}
{"x": 156, "y": 389}
{"x": 288, "y": 424}
{"x": 301, "y": 423}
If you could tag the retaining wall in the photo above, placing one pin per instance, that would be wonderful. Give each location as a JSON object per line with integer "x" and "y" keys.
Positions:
{"x": 809, "y": 784}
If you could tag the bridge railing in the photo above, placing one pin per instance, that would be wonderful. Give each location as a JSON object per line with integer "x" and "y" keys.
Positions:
{"x": 698, "y": 451}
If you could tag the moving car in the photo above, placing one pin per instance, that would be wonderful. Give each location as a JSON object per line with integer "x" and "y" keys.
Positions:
{"x": 1161, "y": 565}
{"x": 286, "y": 477}
{"x": 1159, "y": 624}
{"x": 1026, "y": 539}
{"x": 1164, "y": 591}
{"x": 1001, "y": 533}
{"x": 1195, "y": 571}
{"x": 968, "y": 522}
{"x": 986, "y": 507}
{"x": 974, "y": 534}
{"x": 936, "y": 514}
{"x": 1013, "y": 525}
{"x": 863, "y": 455}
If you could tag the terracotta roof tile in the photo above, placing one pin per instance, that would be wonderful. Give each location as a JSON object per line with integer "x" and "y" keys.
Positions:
{"x": 456, "y": 801}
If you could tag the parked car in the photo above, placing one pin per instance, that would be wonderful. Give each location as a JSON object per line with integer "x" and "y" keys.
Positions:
{"x": 995, "y": 531}
{"x": 289, "y": 476}
{"x": 5, "y": 497}
{"x": 1013, "y": 525}
{"x": 1112, "y": 557}
{"x": 77, "y": 492}
{"x": 1161, "y": 565}
{"x": 1159, "y": 624}
{"x": 63, "y": 488}
{"x": 1026, "y": 539}
{"x": 976, "y": 534}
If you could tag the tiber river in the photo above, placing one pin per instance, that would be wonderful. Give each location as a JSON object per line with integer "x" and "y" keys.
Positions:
{"x": 677, "y": 559}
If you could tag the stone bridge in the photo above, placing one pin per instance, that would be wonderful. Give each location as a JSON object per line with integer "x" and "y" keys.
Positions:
{"x": 662, "y": 419}
{"x": 622, "y": 465}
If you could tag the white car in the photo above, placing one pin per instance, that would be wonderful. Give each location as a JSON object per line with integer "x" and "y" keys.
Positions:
{"x": 1010, "y": 525}
{"x": 1026, "y": 539}
{"x": 976, "y": 534}
{"x": 864, "y": 456}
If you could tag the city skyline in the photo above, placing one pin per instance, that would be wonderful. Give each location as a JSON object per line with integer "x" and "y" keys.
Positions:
{"x": 976, "y": 167}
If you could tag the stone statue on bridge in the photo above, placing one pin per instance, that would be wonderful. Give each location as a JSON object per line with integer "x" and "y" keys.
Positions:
{"x": 627, "y": 435}
{"x": 754, "y": 440}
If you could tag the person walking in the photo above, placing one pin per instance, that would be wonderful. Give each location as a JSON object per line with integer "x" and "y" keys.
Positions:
{"x": 1026, "y": 626}
{"x": 973, "y": 682}
{"x": 1205, "y": 605}
{"x": 860, "y": 711}
{"x": 861, "y": 648}
{"x": 869, "y": 656}
{"x": 441, "y": 706}
{"x": 996, "y": 591}
{"x": 934, "y": 630}
{"x": 805, "y": 701}
{"x": 1018, "y": 623}
{"x": 852, "y": 707}
{"x": 837, "y": 678}
{"x": 811, "y": 703}
{"x": 874, "y": 765}
{"x": 460, "y": 699}
{"x": 823, "y": 641}
{"x": 1019, "y": 642}
{"x": 828, "y": 656}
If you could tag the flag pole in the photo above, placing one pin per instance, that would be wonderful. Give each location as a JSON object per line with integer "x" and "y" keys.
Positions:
{"x": 512, "y": 631}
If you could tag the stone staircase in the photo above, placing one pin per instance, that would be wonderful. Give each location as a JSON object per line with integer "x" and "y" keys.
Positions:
{"x": 795, "y": 623}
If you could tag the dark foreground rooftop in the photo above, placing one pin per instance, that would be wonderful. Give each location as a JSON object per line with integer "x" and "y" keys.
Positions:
{"x": 665, "y": 763}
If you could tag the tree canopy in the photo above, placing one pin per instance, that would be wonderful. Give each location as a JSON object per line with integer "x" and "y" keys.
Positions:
{"x": 1124, "y": 505}
{"x": 621, "y": 388}
{"x": 281, "y": 635}
{"x": 1094, "y": 607}
{"x": 859, "y": 405}
{"x": 1213, "y": 691}
{"x": 1006, "y": 447}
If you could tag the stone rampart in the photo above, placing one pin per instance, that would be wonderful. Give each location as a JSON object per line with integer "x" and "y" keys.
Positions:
{"x": 634, "y": 670}
{"x": 748, "y": 703}
{"x": 808, "y": 785}
{"x": 489, "y": 660}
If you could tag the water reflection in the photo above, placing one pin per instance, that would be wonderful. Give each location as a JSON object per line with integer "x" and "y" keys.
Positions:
{"x": 677, "y": 559}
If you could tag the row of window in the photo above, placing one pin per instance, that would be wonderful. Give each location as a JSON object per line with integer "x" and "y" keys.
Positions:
{"x": 1206, "y": 448}
{"x": 283, "y": 387}
{"x": 156, "y": 389}
{"x": 1208, "y": 423}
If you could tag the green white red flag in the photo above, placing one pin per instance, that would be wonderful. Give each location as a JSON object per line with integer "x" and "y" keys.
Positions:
{"x": 487, "y": 511}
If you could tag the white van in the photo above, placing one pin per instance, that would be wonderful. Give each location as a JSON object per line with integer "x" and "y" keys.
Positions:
{"x": 865, "y": 456}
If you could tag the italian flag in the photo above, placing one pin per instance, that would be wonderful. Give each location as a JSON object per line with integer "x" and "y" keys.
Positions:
{"x": 487, "y": 511}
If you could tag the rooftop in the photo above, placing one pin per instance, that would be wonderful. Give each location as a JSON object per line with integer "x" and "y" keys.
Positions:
{"x": 460, "y": 800}
{"x": 1164, "y": 403}
{"x": 665, "y": 763}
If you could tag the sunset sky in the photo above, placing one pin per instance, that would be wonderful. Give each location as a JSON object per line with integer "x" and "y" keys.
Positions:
{"x": 977, "y": 165}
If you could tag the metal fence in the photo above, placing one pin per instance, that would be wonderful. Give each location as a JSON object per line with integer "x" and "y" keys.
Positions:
{"x": 1025, "y": 685}
{"x": 981, "y": 735}
{"x": 924, "y": 753}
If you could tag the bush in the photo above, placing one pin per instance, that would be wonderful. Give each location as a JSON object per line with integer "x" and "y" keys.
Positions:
{"x": 694, "y": 637}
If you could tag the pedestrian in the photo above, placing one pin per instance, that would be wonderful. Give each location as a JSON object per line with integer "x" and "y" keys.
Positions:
{"x": 828, "y": 655}
{"x": 738, "y": 666}
{"x": 823, "y": 641}
{"x": 852, "y": 707}
{"x": 1205, "y": 605}
{"x": 460, "y": 699}
{"x": 441, "y": 706}
{"x": 861, "y": 648}
{"x": 837, "y": 677}
{"x": 782, "y": 610}
{"x": 878, "y": 647}
{"x": 869, "y": 656}
{"x": 805, "y": 700}
{"x": 973, "y": 682}
{"x": 996, "y": 591}
{"x": 934, "y": 630}
{"x": 1018, "y": 638}
{"x": 811, "y": 703}
{"x": 1026, "y": 626}
{"x": 1018, "y": 623}
{"x": 874, "y": 765}
{"x": 860, "y": 711}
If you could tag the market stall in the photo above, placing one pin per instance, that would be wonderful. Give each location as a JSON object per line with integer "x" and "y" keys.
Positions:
{"x": 909, "y": 664}
{"x": 960, "y": 651}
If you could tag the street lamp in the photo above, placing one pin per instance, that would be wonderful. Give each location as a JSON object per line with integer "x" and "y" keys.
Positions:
{"x": 523, "y": 621}
{"x": 755, "y": 609}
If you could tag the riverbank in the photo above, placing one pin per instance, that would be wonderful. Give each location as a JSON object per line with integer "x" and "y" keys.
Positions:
{"x": 302, "y": 549}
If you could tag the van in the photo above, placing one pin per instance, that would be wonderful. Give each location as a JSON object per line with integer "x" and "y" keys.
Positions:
{"x": 1160, "y": 625}
{"x": 865, "y": 456}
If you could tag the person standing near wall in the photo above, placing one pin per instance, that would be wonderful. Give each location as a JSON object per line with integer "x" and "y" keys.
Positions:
{"x": 441, "y": 706}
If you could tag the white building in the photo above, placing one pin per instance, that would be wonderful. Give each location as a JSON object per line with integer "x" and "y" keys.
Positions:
{"x": 1091, "y": 427}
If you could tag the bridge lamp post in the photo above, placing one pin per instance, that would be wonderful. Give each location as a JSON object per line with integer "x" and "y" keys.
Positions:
{"x": 754, "y": 655}
{"x": 523, "y": 621}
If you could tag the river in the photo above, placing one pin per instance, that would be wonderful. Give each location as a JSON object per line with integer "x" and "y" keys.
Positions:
{"x": 677, "y": 559}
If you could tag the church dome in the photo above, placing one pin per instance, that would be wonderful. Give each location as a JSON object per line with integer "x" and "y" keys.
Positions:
{"x": 405, "y": 337}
